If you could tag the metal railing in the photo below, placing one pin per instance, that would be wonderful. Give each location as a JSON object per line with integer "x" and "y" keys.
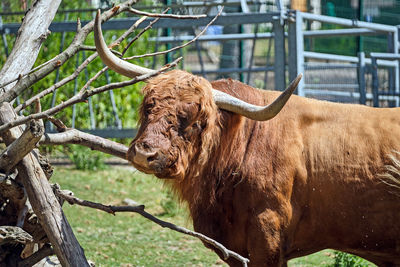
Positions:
{"x": 326, "y": 76}
{"x": 357, "y": 64}
{"x": 115, "y": 129}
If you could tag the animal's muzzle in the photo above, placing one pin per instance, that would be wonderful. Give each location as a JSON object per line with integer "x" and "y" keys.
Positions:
{"x": 143, "y": 155}
{"x": 151, "y": 159}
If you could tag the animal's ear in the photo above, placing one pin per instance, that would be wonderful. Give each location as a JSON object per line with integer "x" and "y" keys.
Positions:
{"x": 259, "y": 113}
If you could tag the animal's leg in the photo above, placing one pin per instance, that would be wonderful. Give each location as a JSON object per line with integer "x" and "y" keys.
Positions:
{"x": 264, "y": 241}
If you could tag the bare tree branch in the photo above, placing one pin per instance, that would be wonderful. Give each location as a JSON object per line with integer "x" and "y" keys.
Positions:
{"x": 140, "y": 209}
{"x": 79, "y": 69}
{"x": 173, "y": 16}
{"x": 10, "y": 189}
{"x": 41, "y": 65}
{"x": 142, "y": 32}
{"x": 14, "y": 235}
{"x": 73, "y": 136}
{"x": 83, "y": 96}
{"x": 60, "y": 59}
{"x": 18, "y": 149}
{"x": 180, "y": 46}
{"x": 59, "y": 124}
{"x": 45, "y": 251}
{"x": 81, "y": 47}
{"x": 128, "y": 32}
{"x": 43, "y": 200}
{"x": 57, "y": 85}
{"x": 93, "y": 48}
{"x": 32, "y": 33}
{"x": 97, "y": 75}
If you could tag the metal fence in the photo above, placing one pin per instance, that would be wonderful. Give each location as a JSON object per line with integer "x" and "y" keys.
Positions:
{"x": 345, "y": 78}
{"x": 270, "y": 47}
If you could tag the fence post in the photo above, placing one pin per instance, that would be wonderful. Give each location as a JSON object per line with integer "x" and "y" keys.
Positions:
{"x": 300, "y": 51}
{"x": 375, "y": 82}
{"x": 397, "y": 68}
{"x": 279, "y": 45}
{"x": 361, "y": 78}
{"x": 292, "y": 47}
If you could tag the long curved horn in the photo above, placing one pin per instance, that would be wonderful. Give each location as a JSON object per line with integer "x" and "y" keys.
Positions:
{"x": 112, "y": 61}
{"x": 258, "y": 113}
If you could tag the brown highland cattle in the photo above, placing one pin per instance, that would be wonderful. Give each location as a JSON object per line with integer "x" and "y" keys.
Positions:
{"x": 319, "y": 175}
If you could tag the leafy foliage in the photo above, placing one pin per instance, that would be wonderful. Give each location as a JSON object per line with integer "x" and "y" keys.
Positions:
{"x": 348, "y": 260}
{"x": 127, "y": 100}
{"x": 85, "y": 159}
{"x": 168, "y": 203}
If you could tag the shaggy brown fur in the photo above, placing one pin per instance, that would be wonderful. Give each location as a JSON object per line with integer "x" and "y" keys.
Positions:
{"x": 307, "y": 180}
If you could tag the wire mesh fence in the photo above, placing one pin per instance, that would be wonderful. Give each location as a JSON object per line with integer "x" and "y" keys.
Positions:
{"x": 337, "y": 82}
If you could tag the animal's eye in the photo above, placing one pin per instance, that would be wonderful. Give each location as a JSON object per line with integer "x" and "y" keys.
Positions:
{"x": 196, "y": 125}
{"x": 183, "y": 121}
{"x": 147, "y": 108}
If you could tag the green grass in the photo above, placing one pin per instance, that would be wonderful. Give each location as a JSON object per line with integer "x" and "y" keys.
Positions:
{"x": 322, "y": 258}
{"x": 130, "y": 240}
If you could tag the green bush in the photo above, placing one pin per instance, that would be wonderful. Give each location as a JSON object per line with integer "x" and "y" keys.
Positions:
{"x": 343, "y": 259}
{"x": 127, "y": 99}
{"x": 169, "y": 204}
{"x": 85, "y": 159}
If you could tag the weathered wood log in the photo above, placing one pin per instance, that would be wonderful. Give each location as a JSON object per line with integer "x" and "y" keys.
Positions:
{"x": 11, "y": 189}
{"x": 34, "y": 228}
{"x": 13, "y": 154}
{"x": 14, "y": 235}
{"x": 18, "y": 149}
{"x": 43, "y": 252}
{"x": 32, "y": 33}
{"x": 12, "y": 241}
{"x": 44, "y": 163}
{"x": 44, "y": 202}
{"x": 13, "y": 200}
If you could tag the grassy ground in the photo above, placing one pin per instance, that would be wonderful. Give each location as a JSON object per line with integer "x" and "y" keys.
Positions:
{"x": 129, "y": 239}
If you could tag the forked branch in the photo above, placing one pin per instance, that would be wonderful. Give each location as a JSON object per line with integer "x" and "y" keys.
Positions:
{"x": 140, "y": 209}
{"x": 180, "y": 46}
{"x": 28, "y": 80}
{"x": 82, "y": 96}
{"x": 162, "y": 15}
{"x": 73, "y": 136}
{"x": 80, "y": 68}
{"x": 18, "y": 149}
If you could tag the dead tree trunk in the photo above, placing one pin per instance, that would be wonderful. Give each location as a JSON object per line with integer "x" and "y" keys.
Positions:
{"x": 43, "y": 201}
{"x": 32, "y": 33}
{"x": 30, "y": 208}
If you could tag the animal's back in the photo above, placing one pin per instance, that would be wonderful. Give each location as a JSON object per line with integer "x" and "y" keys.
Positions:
{"x": 348, "y": 152}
